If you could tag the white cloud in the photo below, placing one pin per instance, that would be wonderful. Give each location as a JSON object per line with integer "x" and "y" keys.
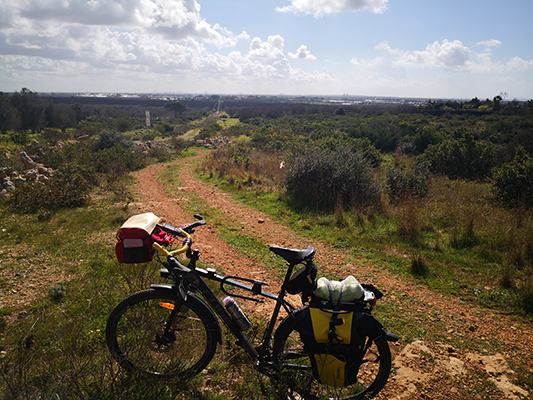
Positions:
{"x": 368, "y": 63}
{"x": 302, "y": 54}
{"x": 449, "y": 67}
{"x": 174, "y": 20}
{"x": 272, "y": 48}
{"x": 491, "y": 43}
{"x": 517, "y": 64}
{"x": 319, "y": 8}
{"x": 448, "y": 55}
{"x": 164, "y": 42}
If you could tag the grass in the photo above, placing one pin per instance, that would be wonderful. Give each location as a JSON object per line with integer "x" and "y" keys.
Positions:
{"x": 379, "y": 238}
{"x": 54, "y": 346}
{"x": 458, "y": 241}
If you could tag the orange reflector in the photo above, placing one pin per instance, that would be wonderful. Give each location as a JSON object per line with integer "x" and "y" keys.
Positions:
{"x": 167, "y": 305}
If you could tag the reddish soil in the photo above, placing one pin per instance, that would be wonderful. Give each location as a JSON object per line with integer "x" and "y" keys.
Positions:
{"x": 423, "y": 369}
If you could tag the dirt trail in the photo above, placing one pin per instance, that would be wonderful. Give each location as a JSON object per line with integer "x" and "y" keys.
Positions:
{"x": 422, "y": 369}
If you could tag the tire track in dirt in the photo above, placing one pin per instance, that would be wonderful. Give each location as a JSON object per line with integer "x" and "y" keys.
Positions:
{"x": 412, "y": 378}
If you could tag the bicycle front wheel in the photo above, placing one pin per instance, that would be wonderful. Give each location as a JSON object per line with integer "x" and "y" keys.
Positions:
{"x": 296, "y": 379}
{"x": 155, "y": 333}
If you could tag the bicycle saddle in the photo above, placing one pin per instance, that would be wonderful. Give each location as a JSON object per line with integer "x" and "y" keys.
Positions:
{"x": 294, "y": 256}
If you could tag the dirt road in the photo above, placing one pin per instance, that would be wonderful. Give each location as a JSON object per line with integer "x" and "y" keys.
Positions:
{"x": 423, "y": 369}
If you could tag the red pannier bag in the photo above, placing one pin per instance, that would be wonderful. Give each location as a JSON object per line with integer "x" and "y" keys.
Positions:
{"x": 135, "y": 239}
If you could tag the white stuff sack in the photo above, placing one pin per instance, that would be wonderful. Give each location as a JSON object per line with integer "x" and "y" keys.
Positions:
{"x": 322, "y": 288}
{"x": 349, "y": 289}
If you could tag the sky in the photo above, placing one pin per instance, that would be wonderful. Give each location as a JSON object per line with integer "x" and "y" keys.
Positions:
{"x": 400, "y": 48}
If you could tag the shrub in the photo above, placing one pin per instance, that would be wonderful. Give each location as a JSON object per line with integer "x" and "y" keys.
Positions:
{"x": 460, "y": 158}
{"x": 124, "y": 124}
{"x": 164, "y": 128}
{"x": 524, "y": 297}
{"x": 512, "y": 182}
{"x": 363, "y": 146}
{"x": 91, "y": 127}
{"x": 419, "y": 266}
{"x": 401, "y": 183}
{"x": 20, "y": 137}
{"x": 67, "y": 188}
{"x": 108, "y": 139}
{"x": 327, "y": 178}
{"x": 161, "y": 154}
{"x": 209, "y": 132}
{"x": 53, "y": 135}
{"x": 113, "y": 151}
{"x": 57, "y": 292}
{"x": 178, "y": 143}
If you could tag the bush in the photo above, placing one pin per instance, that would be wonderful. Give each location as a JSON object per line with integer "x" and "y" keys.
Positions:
{"x": 401, "y": 183}
{"x": 363, "y": 146}
{"x": 119, "y": 154}
{"x": 124, "y": 124}
{"x": 109, "y": 139}
{"x": 164, "y": 128}
{"x": 67, "y": 188}
{"x": 210, "y": 131}
{"x": 460, "y": 158}
{"x": 328, "y": 178}
{"x": 512, "y": 182}
{"x": 53, "y": 135}
{"x": 20, "y": 137}
{"x": 90, "y": 128}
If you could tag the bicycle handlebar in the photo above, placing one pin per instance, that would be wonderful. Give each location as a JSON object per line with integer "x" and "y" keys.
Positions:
{"x": 166, "y": 253}
{"x": 189, "y": 228}
{"x": 185, "y": 230}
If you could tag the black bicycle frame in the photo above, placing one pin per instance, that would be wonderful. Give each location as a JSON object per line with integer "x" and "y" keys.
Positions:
{"x": 196, "y": 278}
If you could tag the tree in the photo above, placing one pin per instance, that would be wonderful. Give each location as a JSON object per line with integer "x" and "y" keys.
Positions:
{"x": 58, "y": 116}
{"x": 177, "y": 107}
{"x": 497, "y": 102}
{"x": 8, "y": 114}
{"x": 30, "y": 108}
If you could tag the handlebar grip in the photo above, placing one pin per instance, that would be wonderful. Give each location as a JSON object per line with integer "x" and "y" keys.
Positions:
{"x": 190, "y": 227}
{"x": 161, "y": 249}
{"x": 166, "y": 253}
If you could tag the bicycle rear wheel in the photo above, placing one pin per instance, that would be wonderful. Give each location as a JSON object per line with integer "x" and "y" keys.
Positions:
{"x": 155, "y": 333}
{"x": 296, "y": 379}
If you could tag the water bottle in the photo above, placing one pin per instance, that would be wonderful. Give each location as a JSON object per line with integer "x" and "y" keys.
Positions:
{"x": 236, "y": 313}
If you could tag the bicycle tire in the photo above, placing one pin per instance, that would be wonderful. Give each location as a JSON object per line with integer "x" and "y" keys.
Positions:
{"x": 295, "y": 378}
{"x": 138, "y": 341}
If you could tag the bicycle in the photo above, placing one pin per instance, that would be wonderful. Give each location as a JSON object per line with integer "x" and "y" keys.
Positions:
{"x": 172, "y": 330}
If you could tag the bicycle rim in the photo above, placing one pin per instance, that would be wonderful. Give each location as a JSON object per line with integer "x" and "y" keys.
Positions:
{"x": 296, "y": 379}
{"x": 154, "y": 333}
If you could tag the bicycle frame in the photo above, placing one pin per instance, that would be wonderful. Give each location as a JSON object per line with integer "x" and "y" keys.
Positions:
{"x": 185, "y": 277}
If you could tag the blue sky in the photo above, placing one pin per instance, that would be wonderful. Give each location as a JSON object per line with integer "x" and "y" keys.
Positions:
{"x": 430, "y": 49}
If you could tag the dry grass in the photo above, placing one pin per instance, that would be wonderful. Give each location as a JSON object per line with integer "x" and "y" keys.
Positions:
{"x": 237, "y": 166}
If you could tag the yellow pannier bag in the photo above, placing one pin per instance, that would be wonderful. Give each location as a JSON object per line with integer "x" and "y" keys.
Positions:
{"x": 334, "y": 337}
{"x": 331, "y": 368}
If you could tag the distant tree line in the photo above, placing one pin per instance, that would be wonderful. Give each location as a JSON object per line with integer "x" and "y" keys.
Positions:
{"x": 478, "y": 107}
{"x": 27, "y": 111}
